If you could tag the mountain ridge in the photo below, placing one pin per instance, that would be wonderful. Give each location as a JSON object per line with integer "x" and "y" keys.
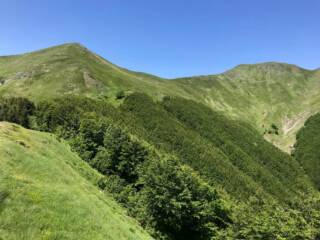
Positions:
{"x": 254, "y": 93}
{"x": 82, "y": 46}
{"x": 159, "y": 147}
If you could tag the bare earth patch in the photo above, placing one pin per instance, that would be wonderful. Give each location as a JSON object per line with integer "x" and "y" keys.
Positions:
{"x": 89, "y": 81}
{"x": 290, "y": 124}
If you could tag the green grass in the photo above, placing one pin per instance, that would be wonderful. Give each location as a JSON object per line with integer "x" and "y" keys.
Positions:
{"x": 48, "y": 192}
{"x": 260, "y": 94}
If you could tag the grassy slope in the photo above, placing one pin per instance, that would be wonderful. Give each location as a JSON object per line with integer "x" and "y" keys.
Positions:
{"x": 47, "y": 192}
{"x": 263, "y": 94}
{"x": 260, "y": 94}
{"x": 307, "y": 150}
{"x": 72, "y": 69}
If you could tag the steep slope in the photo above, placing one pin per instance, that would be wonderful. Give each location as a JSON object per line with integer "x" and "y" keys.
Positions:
{"x": 47, "y": 192}
{"x": 71, "y": 69}
{"x": 307, "y": 149}
{"x": 264, "y": 95}
{"x": 228, "y": 153}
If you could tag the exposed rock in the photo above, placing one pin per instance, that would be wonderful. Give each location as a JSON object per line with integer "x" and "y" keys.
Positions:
{"x": 290, "y": 124}
{"x": 89, "y": 81}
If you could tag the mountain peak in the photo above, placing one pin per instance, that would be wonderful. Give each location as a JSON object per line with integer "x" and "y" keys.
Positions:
{"x": 264, "y": 68}
{"x": 75, "y": 45}
{"x": 268, "y": 66}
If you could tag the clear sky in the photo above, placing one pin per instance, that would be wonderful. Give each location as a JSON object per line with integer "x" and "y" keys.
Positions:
{"x": 169, "y": 38}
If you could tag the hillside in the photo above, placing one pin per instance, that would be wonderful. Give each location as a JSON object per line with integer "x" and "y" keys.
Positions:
{"x": 48, "y": 192}
{"x": 263, "y": 95}
{"x": 186, "y": 157}
{"x": 178, "y": 167}
{"x": 229, "y": 153}
{"x": 71, "y": 69}
{"x": 307, "y": 149}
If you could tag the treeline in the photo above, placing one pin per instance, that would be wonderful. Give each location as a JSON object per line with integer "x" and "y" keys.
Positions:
{"x": 151, "y": 154}
{"x": 16, "y": 110}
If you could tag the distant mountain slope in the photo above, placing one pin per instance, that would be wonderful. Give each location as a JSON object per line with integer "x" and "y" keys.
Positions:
{"x": 263, "y": 95}
{"x": 47, "y": 192}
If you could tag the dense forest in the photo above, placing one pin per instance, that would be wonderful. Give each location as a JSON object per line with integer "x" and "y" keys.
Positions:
{"x": 184, "y": 171}
{"x": 307, "y": 149}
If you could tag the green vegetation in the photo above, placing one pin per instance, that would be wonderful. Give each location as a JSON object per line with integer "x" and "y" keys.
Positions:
{"x": 307, "y": 148}
{"x": 169, "y": 161}
{"x": 16, "y": 110}
{"x": 272, "y": 130}
{"x": 47, "y": 192}
{"x": 119, "y": 155}
{"x": 228, "y": 153}
{"x": 275, "y": 222}
{"x": 128, "y": 166}
{"x": 180, "y": 203}
{"x": 120, "y": 94}
{"x": 179, "y": 167}
{"x": 260, "y": 94}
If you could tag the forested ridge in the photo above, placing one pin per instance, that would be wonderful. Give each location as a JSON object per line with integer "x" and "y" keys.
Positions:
{"x": 180, "y": 169}
{"x": 307, "y": 148}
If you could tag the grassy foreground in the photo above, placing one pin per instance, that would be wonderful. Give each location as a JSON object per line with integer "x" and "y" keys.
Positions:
{"x": 48, "y": 192}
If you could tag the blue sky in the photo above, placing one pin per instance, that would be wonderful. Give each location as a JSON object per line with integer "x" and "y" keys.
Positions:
{"x": 169, "y": 38}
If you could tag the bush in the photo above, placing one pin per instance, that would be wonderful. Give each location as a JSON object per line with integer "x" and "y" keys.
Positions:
{"x": 120, "y": 95}
{"x": 180, "y": 204}
{"x": 275, "y": 129}
{"x": 16, "y": 110}
{"x": 89, "y": 137}
{"x": 120, "y": 155}
{"x": 118, "y": 187}
{"x": 271, "y": 221}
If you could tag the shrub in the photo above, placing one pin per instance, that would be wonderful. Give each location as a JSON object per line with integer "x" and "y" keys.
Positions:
{"x": 120, "y": 155}
{"x": 120, "y": 94}
{"x": 118, "y": 187}
{"x": 180, "y": 203}
{"x": 271, "y": 221}
{"x": 89, "y": 137}
{"x": 275, "y": 129}
{"x": 16, "y": 110}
